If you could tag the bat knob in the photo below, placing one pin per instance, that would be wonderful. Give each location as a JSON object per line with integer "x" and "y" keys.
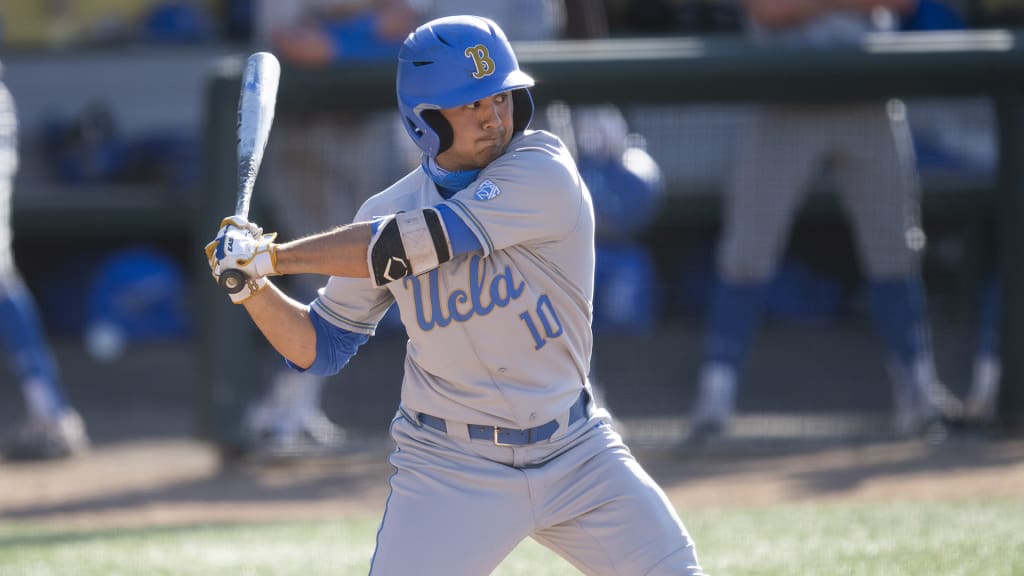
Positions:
{"x": 232, "y": 281}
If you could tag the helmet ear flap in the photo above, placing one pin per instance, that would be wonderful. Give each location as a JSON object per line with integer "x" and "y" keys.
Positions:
{"x": 441, "y": 127}
{"x": 522, "y": 109}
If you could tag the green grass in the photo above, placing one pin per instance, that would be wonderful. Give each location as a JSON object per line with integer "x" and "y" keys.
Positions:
{"x": 901, "y": 539}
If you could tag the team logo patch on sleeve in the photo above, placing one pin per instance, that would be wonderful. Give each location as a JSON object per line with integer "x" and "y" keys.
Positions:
{"x": 487, "y": 190}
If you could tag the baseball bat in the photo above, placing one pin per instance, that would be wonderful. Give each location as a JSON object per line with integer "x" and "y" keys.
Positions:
{"x": 256, "y": 101}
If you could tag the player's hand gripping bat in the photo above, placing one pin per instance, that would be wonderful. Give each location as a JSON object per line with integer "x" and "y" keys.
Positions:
{"x": 255, "y": 116}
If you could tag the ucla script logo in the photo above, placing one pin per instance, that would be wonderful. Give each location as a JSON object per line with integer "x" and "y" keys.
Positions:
{"x": 487, "y": 290}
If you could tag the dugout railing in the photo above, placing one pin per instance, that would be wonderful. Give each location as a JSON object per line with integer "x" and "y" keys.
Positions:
{"x": 650, "y": 71}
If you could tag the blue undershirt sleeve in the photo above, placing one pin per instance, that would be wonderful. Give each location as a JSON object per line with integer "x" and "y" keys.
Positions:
{"x": 334, "y": 347}
{"x": 462, "y": 239}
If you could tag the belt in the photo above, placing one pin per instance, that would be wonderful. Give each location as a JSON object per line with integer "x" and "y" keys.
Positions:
{"x": 512, "y": 436}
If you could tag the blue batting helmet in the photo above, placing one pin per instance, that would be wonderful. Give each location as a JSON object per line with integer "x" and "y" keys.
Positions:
{"x": 453, "y": 61}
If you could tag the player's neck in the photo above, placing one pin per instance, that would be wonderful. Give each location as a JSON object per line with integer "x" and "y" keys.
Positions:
{"x": 448, "y": 181}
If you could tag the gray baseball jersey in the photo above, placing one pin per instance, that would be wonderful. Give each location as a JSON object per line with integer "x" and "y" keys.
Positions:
{"x": 501, "y": 337}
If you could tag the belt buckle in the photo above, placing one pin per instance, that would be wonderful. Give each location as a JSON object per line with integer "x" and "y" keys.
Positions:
{"x": 499, "y": 442}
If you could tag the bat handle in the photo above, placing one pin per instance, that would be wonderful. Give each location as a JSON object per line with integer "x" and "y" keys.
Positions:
{"x": 232, "y": 281}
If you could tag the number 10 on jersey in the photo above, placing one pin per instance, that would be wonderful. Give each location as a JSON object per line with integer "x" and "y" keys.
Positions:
{"x": 548, "y": 320}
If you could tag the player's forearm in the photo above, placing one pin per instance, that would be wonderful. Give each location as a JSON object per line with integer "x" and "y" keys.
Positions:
{"x": 784, "y": 13}
{"x": 285, "y": 323}
{"x": 339, "y": 252}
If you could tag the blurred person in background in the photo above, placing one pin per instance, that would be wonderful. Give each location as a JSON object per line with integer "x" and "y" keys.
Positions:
{"x": 980, "y": 405}
{"x": 52, "y": 428}
{"x": 522, "y": 20}
{"x": 987, "y": 367}
{"x": 867, "y": 150}
{"x": 319, "y": 168}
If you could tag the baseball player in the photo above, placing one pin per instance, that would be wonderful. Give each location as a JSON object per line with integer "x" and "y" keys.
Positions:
{"x": 488, "y": 251}
{"x": 52, "y": 428}
{"x": 869, "y": 151}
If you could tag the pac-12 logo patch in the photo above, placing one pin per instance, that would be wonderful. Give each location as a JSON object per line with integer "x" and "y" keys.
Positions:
{"x": 487, "y": 190}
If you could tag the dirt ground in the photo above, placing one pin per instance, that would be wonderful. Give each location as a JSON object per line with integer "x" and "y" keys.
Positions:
{"x": 180, "y": 481}
{"x": 171, "y": 478}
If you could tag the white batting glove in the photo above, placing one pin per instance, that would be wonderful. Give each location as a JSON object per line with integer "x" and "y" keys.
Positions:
{"x": 237, "y": 249}
{"x": 240, "y": 223}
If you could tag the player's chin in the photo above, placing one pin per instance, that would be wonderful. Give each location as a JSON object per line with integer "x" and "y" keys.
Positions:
{"x": 491, "y": 151}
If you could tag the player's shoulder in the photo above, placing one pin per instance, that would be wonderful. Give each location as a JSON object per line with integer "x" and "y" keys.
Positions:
{"x": 402, "y": 195}
{"x": 539, "y": 142}
{"x": 537, "y": 152}
{"x": 536, "y": 165}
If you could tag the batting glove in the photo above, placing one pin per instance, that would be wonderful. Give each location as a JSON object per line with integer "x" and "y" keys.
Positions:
{"x": 237, "y": 249}
{"x": 240, "y": 223}
{"x": 237, "y": 223}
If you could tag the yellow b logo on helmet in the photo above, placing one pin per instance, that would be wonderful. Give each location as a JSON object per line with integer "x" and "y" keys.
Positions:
{"x": 481, "y": 59}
